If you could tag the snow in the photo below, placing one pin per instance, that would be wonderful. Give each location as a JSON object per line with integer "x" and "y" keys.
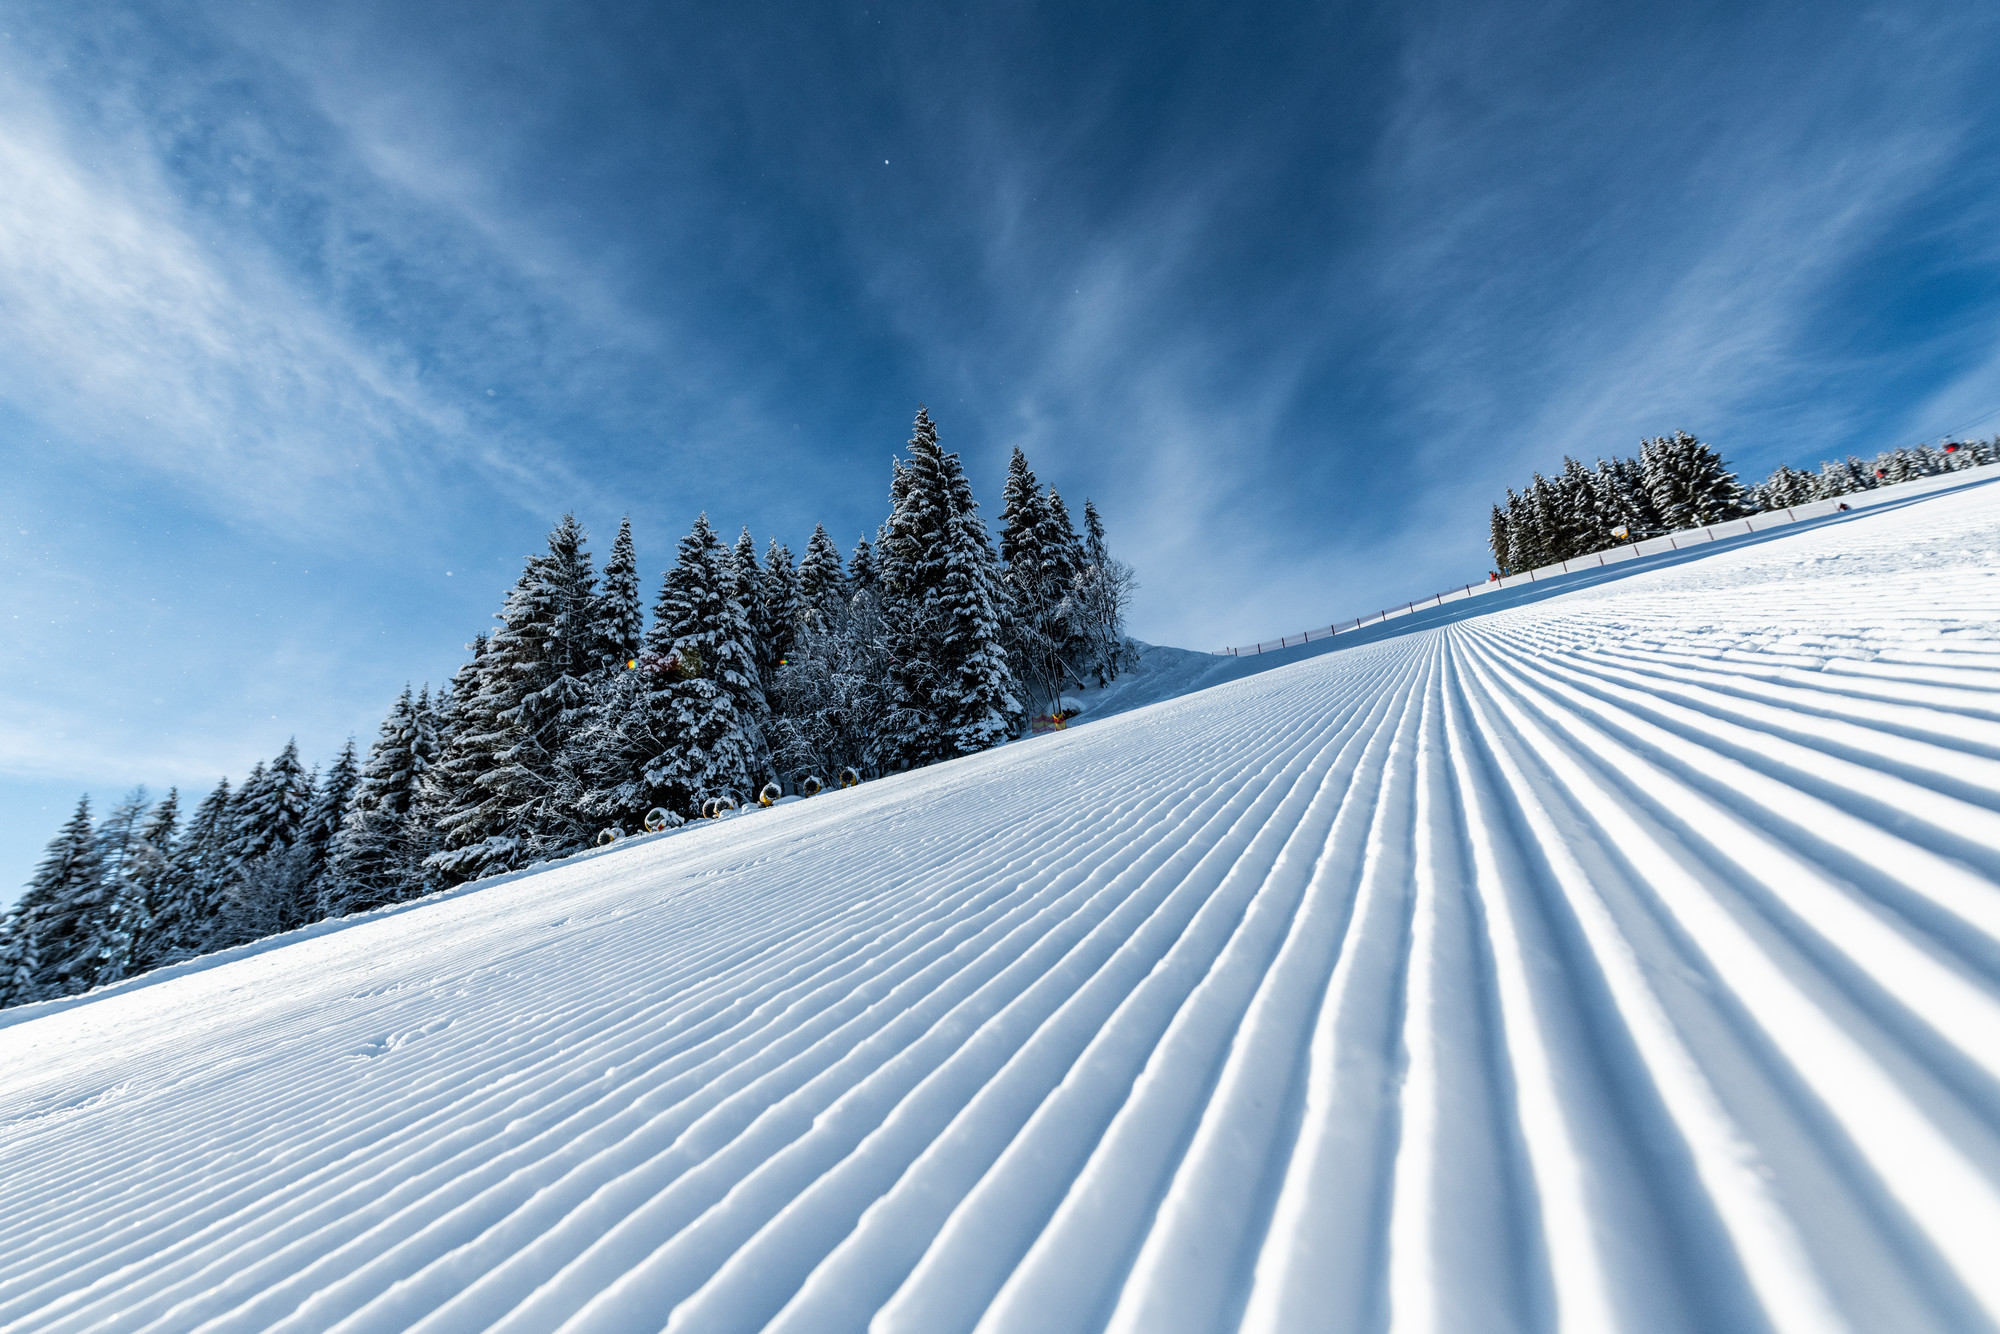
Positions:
{"x": 1622, "y": 953}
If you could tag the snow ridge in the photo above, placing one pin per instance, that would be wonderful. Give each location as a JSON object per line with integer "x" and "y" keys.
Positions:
{"x": 1625, "y": 960}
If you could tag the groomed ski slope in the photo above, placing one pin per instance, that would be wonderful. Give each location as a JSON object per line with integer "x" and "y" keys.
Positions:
{"x": 1620, "y": 959}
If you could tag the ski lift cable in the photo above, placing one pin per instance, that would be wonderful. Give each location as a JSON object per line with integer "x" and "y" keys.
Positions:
{"x": 1959, "y": 430}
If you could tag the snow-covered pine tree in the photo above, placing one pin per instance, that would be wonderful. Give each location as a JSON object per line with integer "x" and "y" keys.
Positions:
{"x": 1545, "y": 503}
{"x": 822, "y": 583}
{"x": 1497, "y": 541}
{"x": 779, "y": 605}
{"x": 1585, "y": 519}
{"x": 1063, "y": 552}
{"x": 197, "y": 875}
{"x": 620, "y": 618}
{"x": 62, "y": 907}
{"x": 1522, "y": 552}
{"x": 1853, "y": 476}
{"x": 248, "y": 797}
{"x": 1897, "y": 465}
{"x": 1632, "y": 504}
{"x": 459, "y": 812}
{"x": 150, "y": 866}
{"x": 955, "y": 692}
{"x": 708, "y": 705}
{"x": 112, "y": 932}
{"x": 19, "y": 961}
{"x": 1101, "y": 590}
{"x": 612, "y": 748}
{"x": 1023, "y": 522}
{"x": 745, "y": 576}
{"x": 553, "y": 628}
{"x": 1077, "y": 616}
{"x": 862, "y": 574}
{"x": 1037, "y": 582}
{"x": 271, "y": 806}
{"x": 326, "y": 812}
{"x": 828, "y": 701}
{"x": 1093, "y": 535}
{"x": 266, "y": 894}
{"x": 376, "y": 856}
{"x": 1783, "y": 488}
{"x": 1688, "y": 482}
{"x": 533, "y": 697}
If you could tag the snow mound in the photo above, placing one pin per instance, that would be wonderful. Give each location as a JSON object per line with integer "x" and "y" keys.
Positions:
{"x": 1625, "y": 959}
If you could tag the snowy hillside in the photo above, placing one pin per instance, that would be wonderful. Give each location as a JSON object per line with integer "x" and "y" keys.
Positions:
{"x": 1623, "y": 958}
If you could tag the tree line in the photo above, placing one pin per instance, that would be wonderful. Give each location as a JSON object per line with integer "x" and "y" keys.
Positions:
{"x": 1677, "y": 482}
{"x": 574, "y": 715}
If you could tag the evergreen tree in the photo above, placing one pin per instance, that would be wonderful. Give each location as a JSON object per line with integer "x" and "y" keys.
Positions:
{"x": 377, "y": 856}
{"x": 151, "y": 868}
{"x": 1544, "y": 508}
{"x": 708, "y": 703}
{"x": 778, "y": 609}
{"x": 620, "y": 620}
{"x": 1785, "y": 487}
{"x": 271, "y": 806}
{"x": 19, "y": 961}
{"x": 620, "y": 737}
{"x": 1689, "y": 484}
{"x": 63, "y": 907}
{"x": 1093, "y": 530}
{"x": 1039, "y": 573}
{"x": 1631, "y": 504}
{"x": 248, "y": 796}
{"x": 955, "y": 692}
{"x": 822, "y": 583}
{"x": 511, "y": 744}
{"x": 197, "y": 875}
{"x": 1498, "y": 540}
{"x": 1584, "y": 519}
{"x": 462, "y": 813}
{"x": 326, "y": 812}
{"x": 112, "y": 932}
{"x": 829, "y": 700}
{"x": 1524, "y": 551}
{"x": 1063, "y": 552}
{"x": 1023, "y": 520}
{"x": 745, "y": 576}
{"x": 861, "y": 572}
{"x": 1101, "y": 590}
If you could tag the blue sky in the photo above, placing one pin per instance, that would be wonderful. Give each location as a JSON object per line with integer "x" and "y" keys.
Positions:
{"x": 313, "y": 318}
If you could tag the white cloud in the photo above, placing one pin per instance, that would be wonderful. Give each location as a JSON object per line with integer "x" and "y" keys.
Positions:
{"x": 129, "y": 332}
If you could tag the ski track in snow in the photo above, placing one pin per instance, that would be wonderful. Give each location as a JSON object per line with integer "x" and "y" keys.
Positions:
{"x": 1627, "y": 958}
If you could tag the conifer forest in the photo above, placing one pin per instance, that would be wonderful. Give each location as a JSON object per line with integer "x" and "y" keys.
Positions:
{"x": 1678, "y": 482}
{"x": 573, "y": 715}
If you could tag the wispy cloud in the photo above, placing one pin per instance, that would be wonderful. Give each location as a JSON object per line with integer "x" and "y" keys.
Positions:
{"x": 130, "y": 333}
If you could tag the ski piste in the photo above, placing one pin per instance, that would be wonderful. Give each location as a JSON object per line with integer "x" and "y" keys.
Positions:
{"x": 1619, "y": 953}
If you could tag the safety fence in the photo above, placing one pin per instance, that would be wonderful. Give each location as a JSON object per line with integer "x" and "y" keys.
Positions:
{"x": 1652, "y": 546}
